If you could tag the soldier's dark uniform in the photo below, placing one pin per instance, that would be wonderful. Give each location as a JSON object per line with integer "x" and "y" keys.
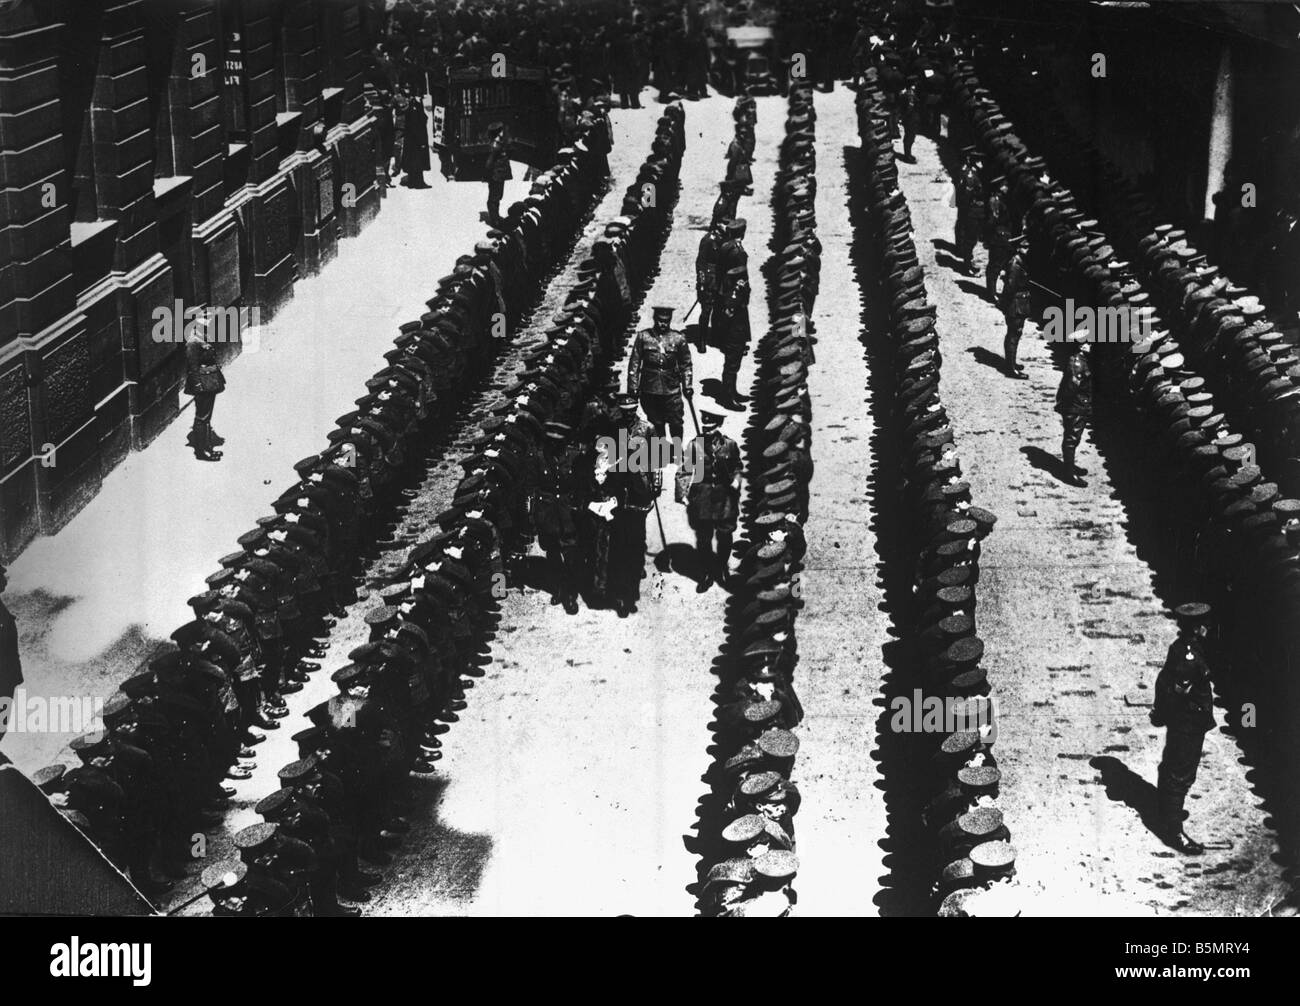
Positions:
{"x": 557, "y": 500}
{"x": 732, "y": 309}
{"x": 659, "y": 373}
{"x": 636, "y": 492}
{"x": 713, "y": 498}
{"x": 1001, "y": 231}
{"x": 1074, "y": 403}
{"x": 707, "y": 279}
{"x": 1184, "y": 706}
{"x": 971, "y": 203}
{"x": 1016, "y": 305}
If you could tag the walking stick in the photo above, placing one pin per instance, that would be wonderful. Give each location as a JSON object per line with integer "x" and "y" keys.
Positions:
{"x": 662, "y": 537}
{"x": 687, "y": 315}
{"x": 690, "y": 400}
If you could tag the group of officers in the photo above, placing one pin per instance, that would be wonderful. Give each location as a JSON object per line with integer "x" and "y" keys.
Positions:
{"x": 749, "y": 867}
{"x": 970, "y": 836}
{"x": 178, "y": 732}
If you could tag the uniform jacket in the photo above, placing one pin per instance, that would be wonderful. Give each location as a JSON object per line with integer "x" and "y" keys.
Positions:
{"x": 1015, "y": 289}
{"x": 1183, "y": 698}
{"x": 498, "y": 161}
{"x": 715, "y": 495}
{"x": 202, "y": 372}
{"x": 660, "y": 363}
{"x": 1074, "y": 396}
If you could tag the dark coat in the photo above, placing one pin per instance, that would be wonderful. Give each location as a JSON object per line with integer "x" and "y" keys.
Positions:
{"x": 415, "y": 143}
{"x": 202, "y": 372}
{"x": 11, "y": 668}
{"x": 1183, "y": 697}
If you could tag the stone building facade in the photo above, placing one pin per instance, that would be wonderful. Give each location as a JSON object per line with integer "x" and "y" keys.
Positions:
{"x": 154, "y": 153}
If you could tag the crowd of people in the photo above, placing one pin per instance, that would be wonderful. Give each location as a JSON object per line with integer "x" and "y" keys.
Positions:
{"x": 748, "y": 862}
{"x": 962, "y": 781}
{"x": 179, "y": 730}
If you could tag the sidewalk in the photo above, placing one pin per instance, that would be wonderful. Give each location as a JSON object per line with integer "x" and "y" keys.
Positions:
{"x": 93, "y": 601}
{"x": 1075, "y": 632}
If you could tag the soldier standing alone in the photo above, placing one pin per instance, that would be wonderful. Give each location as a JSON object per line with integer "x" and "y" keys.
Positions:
{"x": 1015, "y": 308}
{"x": 659, "y": 373}
{"x": 1074, "y": 403}
{"x": 203, "y": 380}
{"x": 498, "y": 171}
{"x": 1184, "y": 706}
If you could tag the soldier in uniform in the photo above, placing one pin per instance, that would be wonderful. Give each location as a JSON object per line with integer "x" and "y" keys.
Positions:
{"x": 706, "y": 277}
{"x": 637, "y": 489}
{"x": 732, "y": 310}
{"x": 909, "y": 118}
{"x": 556, "y": 500}
{"x": 1001, "y": 234}
{"x": 1074, "y": 403}
{"x": 970, "y": 210}
{"x": 709, "y": 485}
{"x": 659, "y": 372}
{"x": 11, "y": 668}
{"x": 1184, "y": 706}
{"x": 498, "y": 171}
{"x": 1015, "y": 308}
{"x": 203, "y": 380}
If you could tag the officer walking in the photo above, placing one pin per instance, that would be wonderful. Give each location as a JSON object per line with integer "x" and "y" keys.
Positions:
{"x": 1015, "y": 308}
{"x": 659, "y": 373}
{"x": 708, "y": 482}
{"x": 1074, "y": 403}
{"x": 1184, "y": 706}
{"x": 637, "y": 488}
{"x": 203, "y": 380}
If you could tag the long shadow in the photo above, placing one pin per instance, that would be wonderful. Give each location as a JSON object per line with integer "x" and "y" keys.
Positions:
{"x": 1123, "y": 785}
{"x": 901, "y": 757}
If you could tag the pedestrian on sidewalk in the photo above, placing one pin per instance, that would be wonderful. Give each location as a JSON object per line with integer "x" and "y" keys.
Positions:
{"x": 11, "y": 668}
{"x": 498, "y": 170}
{"x": 415, "y": 148}
{"x": 204, "y": 380}
{"x": 1184, "y": 706}
{"x": 1074, "y": 403}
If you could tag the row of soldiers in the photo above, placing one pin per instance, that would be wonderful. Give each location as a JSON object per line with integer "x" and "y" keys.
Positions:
{"x": 1249, "y": 545}
{"x": 1225, "y": 330}
{"x": 428, "y": 638}
{"x": 722, "y": 284}
{"x": 754, "y": 868}
{"x": 179, "y": 729}
{"x": 970, "y": 836}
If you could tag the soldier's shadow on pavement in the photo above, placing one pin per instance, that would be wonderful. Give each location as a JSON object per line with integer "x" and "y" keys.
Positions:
{"x": 975, "y": 290}
{"x": 1044, "y": 462}
{"x": 987, "y": 357}
{"x": 1123, "y": 785}
{"x": 443, "y": 864}
{"x": 681, "y": 559}
{"x": 951, "y": 262}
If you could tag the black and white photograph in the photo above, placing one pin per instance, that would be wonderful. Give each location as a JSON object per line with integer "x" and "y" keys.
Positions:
{"x": 651, "y": 458}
